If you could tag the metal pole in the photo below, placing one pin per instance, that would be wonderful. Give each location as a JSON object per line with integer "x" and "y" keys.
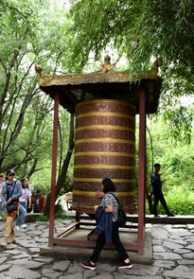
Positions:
{"x": 54, "y": 170}
{"x": 142, "y": 171}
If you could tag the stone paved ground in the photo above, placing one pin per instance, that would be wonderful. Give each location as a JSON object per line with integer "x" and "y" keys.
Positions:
{"x": 173, "y": 257}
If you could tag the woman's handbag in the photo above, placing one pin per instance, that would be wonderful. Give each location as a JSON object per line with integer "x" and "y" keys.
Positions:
{"x": 94, "y": 234}
{"x": 13, "y": 204}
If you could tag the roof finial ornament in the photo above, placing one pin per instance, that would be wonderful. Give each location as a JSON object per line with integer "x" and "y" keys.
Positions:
{"x": 107, "y": 65}
{"x": 38, "y": 69}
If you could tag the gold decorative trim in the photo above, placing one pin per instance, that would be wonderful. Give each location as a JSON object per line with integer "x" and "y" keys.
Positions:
{"x": 107, "y": 127}
{"x": 102, "y": 140}
{"x": 93, "y": 194}
{"x": 104, "y": 153}
{"x": 102, "y": 101}
{"x": 77, "y": 205}
{"x": 103, "y": 166}
{"x": 93, "y": 179}
{"x": 97, "y": 113}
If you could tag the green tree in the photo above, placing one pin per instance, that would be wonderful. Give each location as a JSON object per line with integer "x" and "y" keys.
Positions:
{"x": 177, "y": 170}
{"x": 140, "y": 29}
{"x": 30, "y": 33}
{"x": 144, "y": 31}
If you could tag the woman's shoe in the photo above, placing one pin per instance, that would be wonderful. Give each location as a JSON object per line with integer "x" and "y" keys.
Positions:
{"x": 88, "y": 265}
{"x": 126, "y": 264}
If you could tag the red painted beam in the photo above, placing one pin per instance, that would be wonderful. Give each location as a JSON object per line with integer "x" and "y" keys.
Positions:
{"x": 54, "y": 170}
{"x": 142, "y": 172}
{"x": 91, "y": 244}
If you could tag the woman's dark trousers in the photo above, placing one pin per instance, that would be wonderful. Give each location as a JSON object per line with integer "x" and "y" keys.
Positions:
{"x": 116, "y": 242}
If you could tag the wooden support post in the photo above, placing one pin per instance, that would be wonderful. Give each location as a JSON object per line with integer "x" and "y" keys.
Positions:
{"x": 142, "y": 164}
{"x": 54, "y": 170}
{"x": 77, "y": 219}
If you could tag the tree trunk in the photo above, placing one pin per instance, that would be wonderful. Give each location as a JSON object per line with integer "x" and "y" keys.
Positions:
{"x": 66, "y": 161}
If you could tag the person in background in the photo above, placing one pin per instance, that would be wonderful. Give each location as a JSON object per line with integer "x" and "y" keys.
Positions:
{"x": 36, "y": 201}
{"x": 39, "y": 202}
{"x": 32, "y": 201}
{"x": 110, "y": 205}
{"x": 2, "y": 179}
{"x": 11, "y": 191}
{"x": 42, "y": 202}
{"x": 29, "y": 202}
{"x": 2, "y": 200}
{"x": 157, "y": 191}
{"x": 23, "y": 204}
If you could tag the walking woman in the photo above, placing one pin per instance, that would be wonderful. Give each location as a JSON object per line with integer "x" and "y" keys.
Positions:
{"x": 110, "y": 205}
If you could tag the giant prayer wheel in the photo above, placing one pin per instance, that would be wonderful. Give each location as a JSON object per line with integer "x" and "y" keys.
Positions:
{"x": 104, "y": 147}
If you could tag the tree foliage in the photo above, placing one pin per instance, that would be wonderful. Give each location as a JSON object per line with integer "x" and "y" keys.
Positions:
{"x": 30, "y": 33}
{"x": 176, "y": 165}
{"x": 144, "y": 31}
{"x": 141, "y": 29}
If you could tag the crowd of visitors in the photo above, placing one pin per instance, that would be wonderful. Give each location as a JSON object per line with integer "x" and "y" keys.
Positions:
{"x": 17, "y": 199}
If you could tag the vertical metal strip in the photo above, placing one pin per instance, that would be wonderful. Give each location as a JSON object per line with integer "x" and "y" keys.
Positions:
{"x": 54, "y": 170}
{"x": 142, "y": 172}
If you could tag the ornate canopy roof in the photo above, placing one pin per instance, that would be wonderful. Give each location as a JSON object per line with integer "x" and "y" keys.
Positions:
{"x": 75, "y": 88}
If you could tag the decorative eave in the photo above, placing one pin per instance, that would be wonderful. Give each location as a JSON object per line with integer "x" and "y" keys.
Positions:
{"x": 74, "y": 88}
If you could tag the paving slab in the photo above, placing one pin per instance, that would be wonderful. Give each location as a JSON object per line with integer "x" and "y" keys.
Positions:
{"x": 180, "y": 272}
{"x": 172, "y": 257}
{"x": 19, "y": 272}
{"x": 61, "y": 265}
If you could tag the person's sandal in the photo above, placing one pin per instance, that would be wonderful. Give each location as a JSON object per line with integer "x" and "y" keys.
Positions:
{"x": 3, "y": 245}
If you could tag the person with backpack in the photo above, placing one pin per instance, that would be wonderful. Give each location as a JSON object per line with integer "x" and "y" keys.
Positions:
{"x": 11, "y": 191}
{"x": 110, "y": 205}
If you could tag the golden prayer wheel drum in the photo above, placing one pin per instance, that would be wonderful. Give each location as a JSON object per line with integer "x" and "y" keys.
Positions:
{"x": 104, "y": 147}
